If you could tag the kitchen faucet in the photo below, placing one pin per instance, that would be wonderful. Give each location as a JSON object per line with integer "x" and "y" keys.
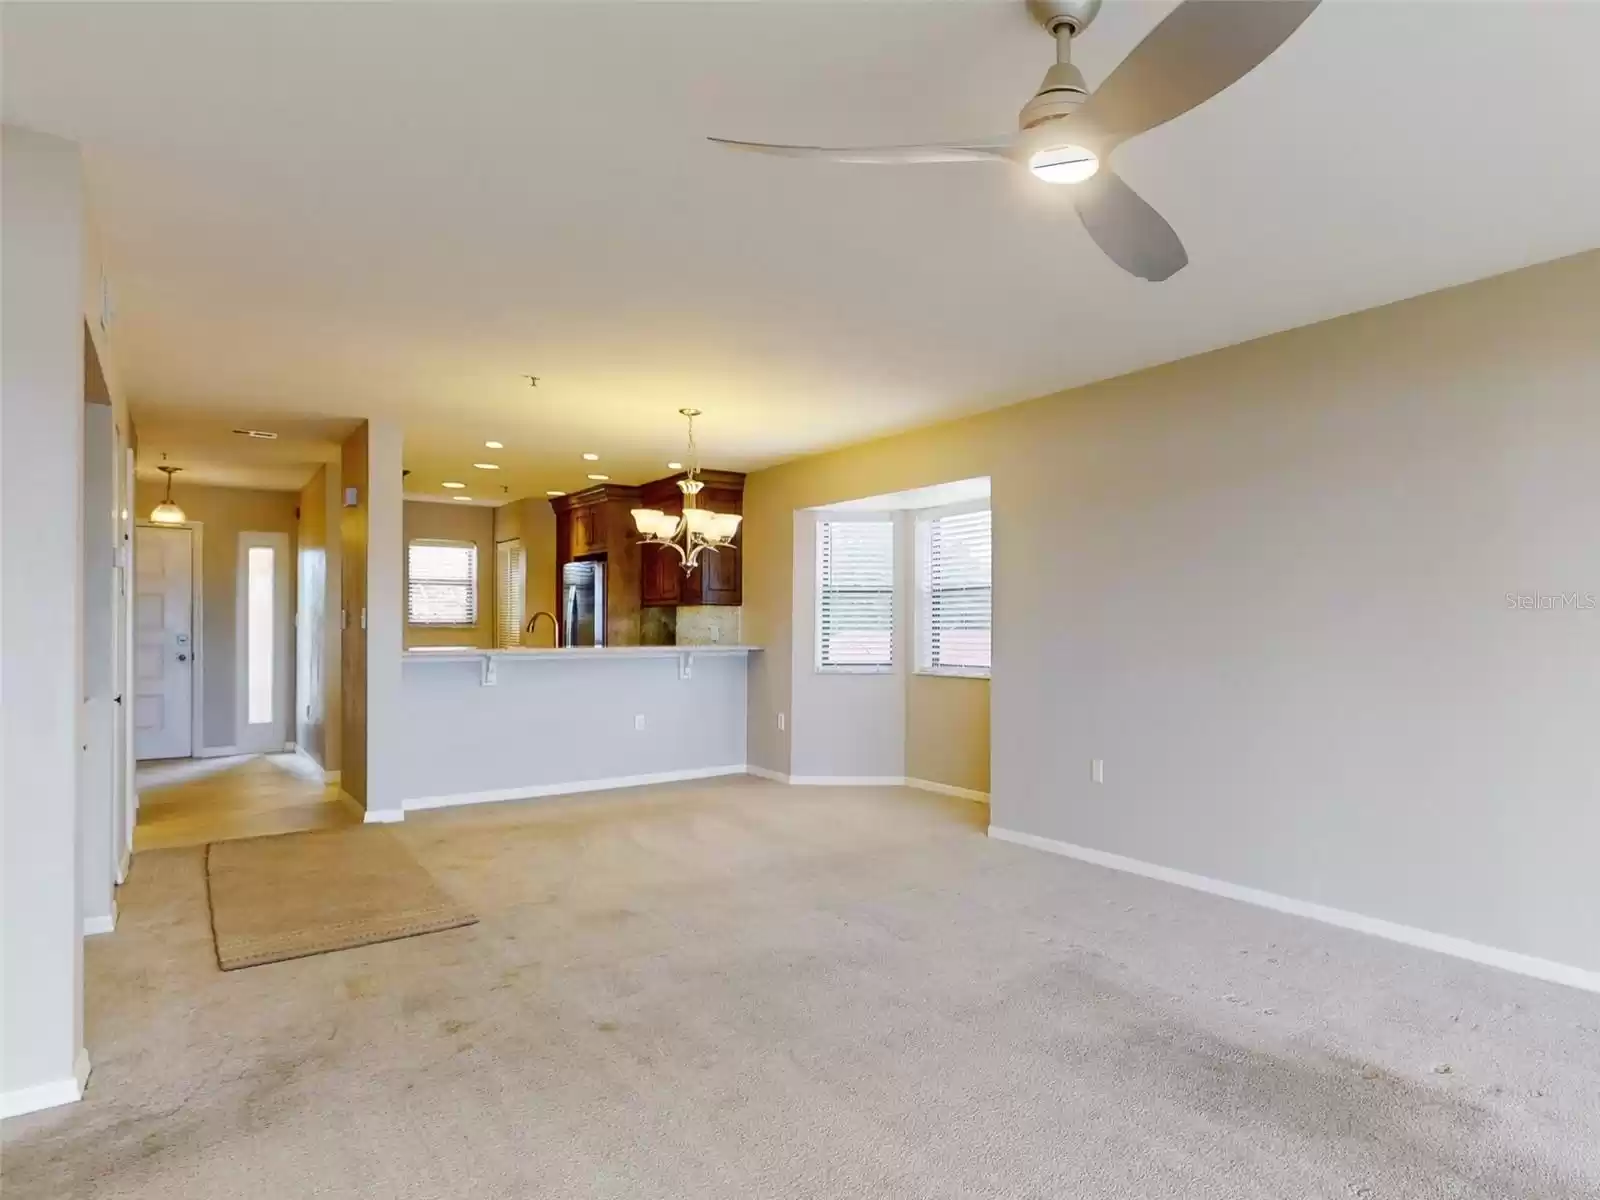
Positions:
{"x": 555, "y": 631}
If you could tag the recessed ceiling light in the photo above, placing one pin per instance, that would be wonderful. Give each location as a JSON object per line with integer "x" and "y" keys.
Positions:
{"x": 495, "y": 445}
{"x": 591, "y": 458}
{"x": 463, "y": 499}
{"x": 553, "y": 492}
{"x": 452, "y": 484}
{"x": 674, "y": 466}
{"x": 487, "y": 466}
{"x": 599, "y": 478}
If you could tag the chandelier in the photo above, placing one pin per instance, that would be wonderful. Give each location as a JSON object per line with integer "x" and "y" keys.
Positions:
{"x": 698, "y": 528}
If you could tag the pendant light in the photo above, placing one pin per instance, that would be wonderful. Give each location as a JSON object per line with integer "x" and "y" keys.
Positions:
{"x": 699, "y": 529}
{"x": 168, "y": 513}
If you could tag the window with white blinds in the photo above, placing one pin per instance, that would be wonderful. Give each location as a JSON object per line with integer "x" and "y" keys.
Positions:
{"x": 855, "y": 595}
{"x": 954, "y": 594}
{"x": 510, "y": 591}
{"x": 441, "y": 582}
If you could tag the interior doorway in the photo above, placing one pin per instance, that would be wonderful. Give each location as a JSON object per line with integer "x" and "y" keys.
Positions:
{"x": 164, "y": 653}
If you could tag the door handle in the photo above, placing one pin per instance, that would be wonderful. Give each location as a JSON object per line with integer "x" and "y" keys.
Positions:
{"x": 183, "y": 658}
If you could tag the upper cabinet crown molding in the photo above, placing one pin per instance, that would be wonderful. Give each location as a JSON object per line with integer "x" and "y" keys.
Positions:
{"x": 598, "y": 494}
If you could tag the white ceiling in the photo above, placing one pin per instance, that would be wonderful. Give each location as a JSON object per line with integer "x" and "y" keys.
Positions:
{"x": 210, "y": 451}
{"x": 367, "y": 209}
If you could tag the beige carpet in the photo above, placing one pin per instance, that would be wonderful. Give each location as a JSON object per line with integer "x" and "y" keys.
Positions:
{"x": 736, "y": 990}
{"x": 276, "y": 898}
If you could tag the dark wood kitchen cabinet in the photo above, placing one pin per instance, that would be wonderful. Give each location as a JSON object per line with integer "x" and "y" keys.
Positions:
{"x": 597, "y": 524}
{"x": 588, "y": 530}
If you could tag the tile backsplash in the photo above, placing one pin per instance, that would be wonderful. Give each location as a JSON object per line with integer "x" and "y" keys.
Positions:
{"x": 708, "y": 625}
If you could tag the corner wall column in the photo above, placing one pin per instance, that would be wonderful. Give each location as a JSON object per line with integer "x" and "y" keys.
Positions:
{"x": 42, "y": 1060}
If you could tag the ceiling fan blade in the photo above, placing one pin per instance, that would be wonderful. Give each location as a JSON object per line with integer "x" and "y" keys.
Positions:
{"x": 1133, "y": 235}
{"x": 1199, "y": 49}
{"x": 938, "y": 152}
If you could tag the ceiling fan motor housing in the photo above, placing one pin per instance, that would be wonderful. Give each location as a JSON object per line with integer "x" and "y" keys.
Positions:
{"x": 1060, "y": 95}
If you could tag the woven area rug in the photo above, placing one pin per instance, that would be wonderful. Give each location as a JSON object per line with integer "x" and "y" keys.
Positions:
{"x": 274, "y": 898}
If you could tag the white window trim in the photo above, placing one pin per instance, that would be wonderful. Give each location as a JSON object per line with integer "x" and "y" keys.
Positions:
{"x": 477, "y": 583}
{"x": 924, "y": 601}
{"x": 829, "y": 518}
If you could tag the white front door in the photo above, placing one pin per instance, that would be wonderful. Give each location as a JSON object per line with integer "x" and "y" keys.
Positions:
{"x": 163, "y": 656}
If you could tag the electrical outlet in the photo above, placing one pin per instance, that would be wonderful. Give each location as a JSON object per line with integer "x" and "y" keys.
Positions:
{"x": 638, "y": 722}
{"x": 780, "y": 722}
{"x": 1097, "y": 770}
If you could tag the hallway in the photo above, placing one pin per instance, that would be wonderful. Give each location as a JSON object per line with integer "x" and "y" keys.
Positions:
{"x": 191, "y": 801}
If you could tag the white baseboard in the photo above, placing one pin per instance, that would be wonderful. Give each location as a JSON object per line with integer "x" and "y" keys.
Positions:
{"x": 925, "y": 785}
{"x": 1423, "y": 939}
{"x": 567, "y": 789}
{"x": 104, "y": 924}
{"x": 124, "y": 864}
{"x": 218, "y": 752}
{"x": 48, "y": 1095}
{"x": 948, "y": 789}
{"x": 382, "y": 816}
{"x": 309, "y": 759}
{"x": 847, "y": 780}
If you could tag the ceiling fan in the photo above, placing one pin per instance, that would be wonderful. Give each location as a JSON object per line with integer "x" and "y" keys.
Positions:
{"x": 1066, "y": 134}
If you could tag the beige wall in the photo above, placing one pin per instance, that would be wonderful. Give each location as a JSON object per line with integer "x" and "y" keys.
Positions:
{"x": 372, "y": 567}
{"x": 456, "y": 523}
{"x": 947, "y": 730}
{"x": 1268, "y": 587}
{"x": 534, "y": 521}
{"x": 354, "y": 519}
{"x": 317, "y": 727}
{"x": 224, "y": 513}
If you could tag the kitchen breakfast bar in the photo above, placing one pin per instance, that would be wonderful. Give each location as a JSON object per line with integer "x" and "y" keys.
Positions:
{"x": 479, "y": 725}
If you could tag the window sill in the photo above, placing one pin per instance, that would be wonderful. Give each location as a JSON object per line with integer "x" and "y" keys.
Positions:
{"x": 954, "y": 672}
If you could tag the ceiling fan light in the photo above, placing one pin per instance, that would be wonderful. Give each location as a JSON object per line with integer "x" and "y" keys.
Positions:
{"x": 1064, "y": 164}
